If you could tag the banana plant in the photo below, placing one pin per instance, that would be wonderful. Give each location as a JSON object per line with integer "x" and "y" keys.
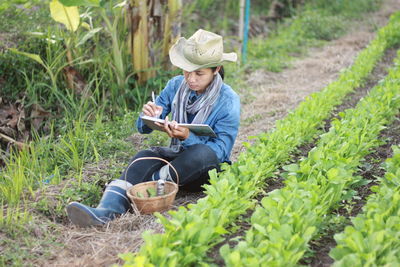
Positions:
{"x": 66, "y": 12}
{"x": 172, "y": 26}
{"x": 153, "y": 29}
{"x": 139, "y": 39}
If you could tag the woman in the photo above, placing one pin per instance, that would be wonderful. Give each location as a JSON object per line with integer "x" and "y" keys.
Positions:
{"x": 199, "y": 96}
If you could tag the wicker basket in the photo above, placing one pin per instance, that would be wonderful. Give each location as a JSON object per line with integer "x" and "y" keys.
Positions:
{"x": 148, "y": 204}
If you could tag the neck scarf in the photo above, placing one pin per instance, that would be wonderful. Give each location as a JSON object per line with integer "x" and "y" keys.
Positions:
{"x": 202, "y": 107}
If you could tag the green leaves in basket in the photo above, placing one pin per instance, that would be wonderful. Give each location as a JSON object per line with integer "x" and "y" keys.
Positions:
{"x": 151, "y": 191}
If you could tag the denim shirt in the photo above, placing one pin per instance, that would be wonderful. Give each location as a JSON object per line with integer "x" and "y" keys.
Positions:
{"x": 224, "y": 119}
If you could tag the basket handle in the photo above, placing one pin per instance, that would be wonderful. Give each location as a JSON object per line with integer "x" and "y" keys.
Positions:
{"x": 161, "y": 159}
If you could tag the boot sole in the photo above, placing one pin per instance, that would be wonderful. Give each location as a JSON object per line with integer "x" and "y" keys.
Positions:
{"x": 81, "y": 216}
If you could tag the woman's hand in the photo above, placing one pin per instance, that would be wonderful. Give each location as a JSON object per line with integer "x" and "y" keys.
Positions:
{"x": 173, "y": 130}
{"x": 151, "y": 109}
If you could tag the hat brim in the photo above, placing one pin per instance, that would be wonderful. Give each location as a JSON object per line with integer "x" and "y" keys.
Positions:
{"x": 177, "y": 58}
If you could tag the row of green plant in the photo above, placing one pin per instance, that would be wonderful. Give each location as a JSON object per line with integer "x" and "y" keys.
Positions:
{"x": 373, "y": 239}
{"x": 289, "y": 218}
{"x": 192, "y": 231}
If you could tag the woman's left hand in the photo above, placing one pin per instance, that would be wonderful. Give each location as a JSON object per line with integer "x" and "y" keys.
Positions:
{"x": 175, "y": 131}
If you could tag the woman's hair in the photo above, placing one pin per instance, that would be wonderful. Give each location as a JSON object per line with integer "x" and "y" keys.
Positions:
{"x": 221, "y": 71}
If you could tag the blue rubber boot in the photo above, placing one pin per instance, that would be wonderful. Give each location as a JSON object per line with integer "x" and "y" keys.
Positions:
{"x": 113, "y": 203}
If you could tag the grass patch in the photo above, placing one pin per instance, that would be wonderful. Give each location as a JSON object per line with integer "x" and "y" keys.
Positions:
{"x": 20, "y": 247}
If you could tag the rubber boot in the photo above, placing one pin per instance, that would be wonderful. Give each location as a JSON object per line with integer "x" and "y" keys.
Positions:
{"x": 113, "y": 203}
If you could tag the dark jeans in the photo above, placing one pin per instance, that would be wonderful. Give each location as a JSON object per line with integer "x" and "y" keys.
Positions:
{"x": 191, "y": 164}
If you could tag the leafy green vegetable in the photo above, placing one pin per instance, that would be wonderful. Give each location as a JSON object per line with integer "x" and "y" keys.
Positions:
{"x": 374, "y": 238}
{"x": 289, "y": 217}
{"x": 151, "y": 191}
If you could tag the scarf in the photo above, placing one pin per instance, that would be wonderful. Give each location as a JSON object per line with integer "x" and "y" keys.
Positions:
{"x": 202, "y": 107}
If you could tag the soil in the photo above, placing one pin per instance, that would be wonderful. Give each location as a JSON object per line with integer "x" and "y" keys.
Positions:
{"x": 270, "y": 97}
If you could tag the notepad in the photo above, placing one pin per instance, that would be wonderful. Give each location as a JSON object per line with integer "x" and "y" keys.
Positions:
{"x": 198, "y": 129}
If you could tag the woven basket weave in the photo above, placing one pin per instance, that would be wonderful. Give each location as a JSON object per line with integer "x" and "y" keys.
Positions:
{"x": 148, "y": 204}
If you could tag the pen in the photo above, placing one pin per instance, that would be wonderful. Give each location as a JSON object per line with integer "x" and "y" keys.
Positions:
{"x": 154, "y": 101}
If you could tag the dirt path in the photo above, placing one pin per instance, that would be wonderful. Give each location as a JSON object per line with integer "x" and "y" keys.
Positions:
{"x": 272, "y": 96}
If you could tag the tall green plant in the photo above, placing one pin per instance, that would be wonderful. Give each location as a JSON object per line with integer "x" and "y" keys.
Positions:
{"x": 71, "y": 19}
{"x": 52, "y": 68}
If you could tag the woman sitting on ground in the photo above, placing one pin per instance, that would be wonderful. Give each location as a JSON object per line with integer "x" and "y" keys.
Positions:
{"x": 199, "y": 96}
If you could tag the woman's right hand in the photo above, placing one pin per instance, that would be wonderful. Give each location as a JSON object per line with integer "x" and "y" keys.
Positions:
{"x": 152, "y": 110}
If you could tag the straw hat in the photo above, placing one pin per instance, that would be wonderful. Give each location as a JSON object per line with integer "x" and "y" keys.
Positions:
{"x": 203, "y": 49}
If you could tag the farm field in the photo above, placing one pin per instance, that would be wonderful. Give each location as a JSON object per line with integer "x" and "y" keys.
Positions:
{"x": 305, "y": 189}
{"x": 289, "y": 218}
{"x": 192, "y": 232}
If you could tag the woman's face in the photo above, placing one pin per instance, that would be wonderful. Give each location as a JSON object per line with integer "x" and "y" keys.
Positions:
{"x": 198, "y": 80}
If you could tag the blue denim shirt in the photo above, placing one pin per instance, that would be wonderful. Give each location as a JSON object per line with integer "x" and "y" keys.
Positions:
{"x": 224, "y": 119}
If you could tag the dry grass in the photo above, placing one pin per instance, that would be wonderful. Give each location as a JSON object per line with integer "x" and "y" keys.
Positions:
{"x": 101, "y": 246}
